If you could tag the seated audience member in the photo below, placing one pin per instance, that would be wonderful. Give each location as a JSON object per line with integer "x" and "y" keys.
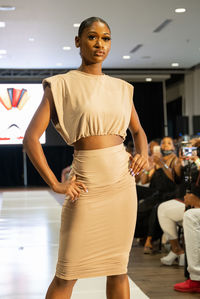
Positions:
{"x": 65, "y": 174}
{"x": 170, "y": 213}
{"x": 162, "y": 179}
{"x": 143, "y": 189}
{"x": 191, "y": 226}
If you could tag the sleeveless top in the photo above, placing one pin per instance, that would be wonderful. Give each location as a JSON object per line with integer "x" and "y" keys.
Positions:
{"x": 89, "y": 105}
{"x": 160, "y": 180}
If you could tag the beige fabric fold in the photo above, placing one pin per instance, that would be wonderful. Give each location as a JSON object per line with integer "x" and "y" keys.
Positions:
{"x": 97, "y": 230}
{"x": 89, "y": 105}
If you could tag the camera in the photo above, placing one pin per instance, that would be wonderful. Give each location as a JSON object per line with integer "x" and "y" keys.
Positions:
{"x": 189, "y": 167}
{"x": 188, "y": 151}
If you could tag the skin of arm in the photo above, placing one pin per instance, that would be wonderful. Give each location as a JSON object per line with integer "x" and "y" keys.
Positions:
{"x": 176, "y": 166}
{"x": 140, "y": 159}
{"x": 34, "y": 131}
{"x": 45, "y": 112}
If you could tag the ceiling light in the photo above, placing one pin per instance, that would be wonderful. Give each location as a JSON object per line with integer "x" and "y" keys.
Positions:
{"x": 180, "y": 10}
{"x": 59, "y": 64}
{"x": 66, "y": 48}
{"x": 175, "y": 64}
{"x": 76, "y": 25}
{"x": 31, "y": 39}
{"x": 7, "y": 7}
{"x": 126, "y": 57}
{"x": 2, "y": 52}
{"x": 2, "y": 24}
{"x": 1, "y": 56}
{"x": 148, "y": 79}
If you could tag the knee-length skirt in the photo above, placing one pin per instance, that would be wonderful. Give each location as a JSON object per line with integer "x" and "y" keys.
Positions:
{"x": 97, "y": 230}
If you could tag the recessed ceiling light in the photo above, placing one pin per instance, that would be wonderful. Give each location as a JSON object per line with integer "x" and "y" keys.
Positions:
{"x": 2, "y": 24}
{"x": 180, "y": 10}
{"x": 3, "y": 52}
{"x": 148, "y": 79}
{"x": 175, "y": 64}
{"x": 31, "y": 39}
{"x": 76, "y": 25}
{"x": 7, "y": 7}
{"x": 126, "y": 57}
{"x": 66, "y": 48}
{"x": 1, "y": 56}
{"x": 59, "y": 64}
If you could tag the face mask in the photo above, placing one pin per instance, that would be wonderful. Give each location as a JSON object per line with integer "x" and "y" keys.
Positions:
{"x": 166, "y": 153}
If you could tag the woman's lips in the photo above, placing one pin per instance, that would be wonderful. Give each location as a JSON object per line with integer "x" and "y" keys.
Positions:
{"x": 99, "y": 53}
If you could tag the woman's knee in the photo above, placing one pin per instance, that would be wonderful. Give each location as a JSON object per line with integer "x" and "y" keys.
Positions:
{"x": 64, "y": 283}
{"x": 119, "y": 278}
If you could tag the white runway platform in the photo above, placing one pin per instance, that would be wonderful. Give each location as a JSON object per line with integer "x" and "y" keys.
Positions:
{"x": 29, "y": 231}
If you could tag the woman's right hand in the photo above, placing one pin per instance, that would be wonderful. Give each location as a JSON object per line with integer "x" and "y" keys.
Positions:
{"x": 71, "y": 188}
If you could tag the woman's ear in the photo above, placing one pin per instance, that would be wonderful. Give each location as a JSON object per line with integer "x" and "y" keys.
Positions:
{"x": 77, "y": 41}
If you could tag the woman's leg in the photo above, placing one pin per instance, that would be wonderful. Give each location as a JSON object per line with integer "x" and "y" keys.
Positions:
{"x": 169, "y": 214}
{"x": 191, "y": 224}
{"x": 154, "y": 230}
{"x": 117, "y": 287}
{"x": 60, "y": 288}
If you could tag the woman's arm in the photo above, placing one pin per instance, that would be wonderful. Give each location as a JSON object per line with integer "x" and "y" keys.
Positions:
{"x": 33, "y": 148}
{"x": 140, "y": 159}
{"x": 33, "y": 133}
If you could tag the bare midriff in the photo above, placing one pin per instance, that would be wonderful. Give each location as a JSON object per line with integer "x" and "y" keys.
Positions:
{"x": 97, "y": 142}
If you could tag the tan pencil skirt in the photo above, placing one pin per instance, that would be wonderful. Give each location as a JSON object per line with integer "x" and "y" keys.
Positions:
{"x": 97, "y": 230}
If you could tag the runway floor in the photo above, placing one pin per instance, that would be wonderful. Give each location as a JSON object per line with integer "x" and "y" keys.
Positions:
{"x": 29, "y": 231}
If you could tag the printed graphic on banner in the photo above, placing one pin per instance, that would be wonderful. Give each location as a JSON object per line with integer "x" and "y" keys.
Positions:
{"x": 18, "y": 103}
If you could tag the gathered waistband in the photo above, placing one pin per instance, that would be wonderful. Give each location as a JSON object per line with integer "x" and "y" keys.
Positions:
{"x": 101, "y": 167}
{"x": 113, "y": 149}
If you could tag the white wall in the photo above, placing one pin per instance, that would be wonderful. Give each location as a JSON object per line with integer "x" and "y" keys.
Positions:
{"x": 192, "y": 95}
{"x": 175, "y": 91}
{"x": 189, "y": 90}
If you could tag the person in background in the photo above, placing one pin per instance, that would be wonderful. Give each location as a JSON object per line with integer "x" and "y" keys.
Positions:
{"x": 191, "y": 226}
{"x": 170, "y": 213}
{"x": 65, "y": 173}
{"x": 142, "y": 187}
{"x": 162, "y": 179}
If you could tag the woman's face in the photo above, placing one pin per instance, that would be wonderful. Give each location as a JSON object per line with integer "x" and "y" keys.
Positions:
{"x": 167, "y": 144}
{"x": 94, "y": 43}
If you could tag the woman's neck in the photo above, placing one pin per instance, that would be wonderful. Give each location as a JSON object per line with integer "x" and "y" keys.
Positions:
{"x": 95, "y": 69}
{"x": 165, "y": 158}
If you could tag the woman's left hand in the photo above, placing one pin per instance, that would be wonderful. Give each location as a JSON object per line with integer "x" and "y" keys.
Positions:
{"x": 192, "y": 200}
{"x": 137, "y": 163}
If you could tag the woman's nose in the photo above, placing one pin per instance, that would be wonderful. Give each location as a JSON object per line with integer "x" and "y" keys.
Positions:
{"x": 98, "y": 43}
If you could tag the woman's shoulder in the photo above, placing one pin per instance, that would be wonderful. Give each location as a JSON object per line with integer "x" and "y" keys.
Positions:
{"x": 120, "y": 84}
{"x": 56, "y": 79}
{"x": 120, "y": 81}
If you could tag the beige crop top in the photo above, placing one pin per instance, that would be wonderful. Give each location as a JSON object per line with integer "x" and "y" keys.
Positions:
{"x": 88, "y": 105}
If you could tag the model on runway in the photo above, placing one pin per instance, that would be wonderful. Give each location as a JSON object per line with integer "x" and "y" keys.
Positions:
{"x": 92, "y": 112}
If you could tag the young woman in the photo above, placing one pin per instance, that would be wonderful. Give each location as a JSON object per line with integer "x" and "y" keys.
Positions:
{"x": 92, "y": 111}
{"x": 161, "y": 175}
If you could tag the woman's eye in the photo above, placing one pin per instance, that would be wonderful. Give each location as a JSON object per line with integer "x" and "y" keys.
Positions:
{"x": 106, "y": 38}
{"x": 91, "y": 37}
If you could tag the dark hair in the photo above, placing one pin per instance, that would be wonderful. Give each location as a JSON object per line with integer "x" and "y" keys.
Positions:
{"x": 88, "y": 22}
